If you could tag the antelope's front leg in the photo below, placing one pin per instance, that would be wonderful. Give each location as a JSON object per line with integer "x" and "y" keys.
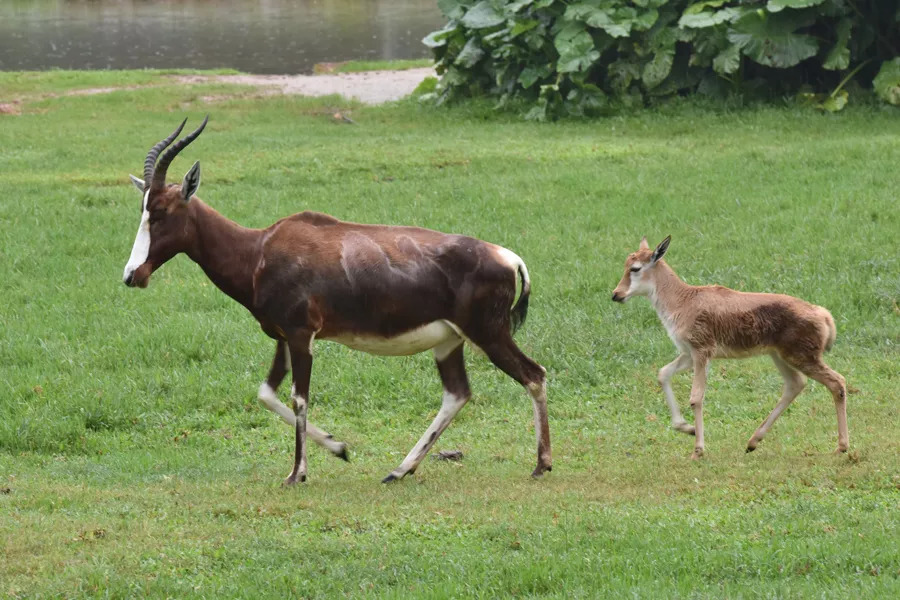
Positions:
{"x": 268, "y": 398}
{"x": 698, "y": 389}
{"x": 301, "y": 366}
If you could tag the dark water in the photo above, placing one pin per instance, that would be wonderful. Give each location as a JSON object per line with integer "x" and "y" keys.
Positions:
{"x": 255, "y": 36}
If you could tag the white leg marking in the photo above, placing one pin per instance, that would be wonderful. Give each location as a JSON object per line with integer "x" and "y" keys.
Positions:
{"x": 141, "y": 247}
{"x": 443, "y": 350}
{"x": 450, "y": 405}
{"x": 269, "y": 399}
{"x": 300, "y": 407}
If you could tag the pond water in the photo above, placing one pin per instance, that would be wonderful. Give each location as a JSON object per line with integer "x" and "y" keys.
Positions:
{"x": 254, "y": 36}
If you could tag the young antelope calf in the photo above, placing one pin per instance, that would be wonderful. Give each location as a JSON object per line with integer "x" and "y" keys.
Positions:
{"x": 707, "y": 322}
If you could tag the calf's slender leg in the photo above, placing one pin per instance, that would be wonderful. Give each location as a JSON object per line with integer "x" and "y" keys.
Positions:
{"x": 698, "y": 389}
{"x": 452, "y": 369}
{"x": 794, "y": 382}
{"x": 836, "y": 384}
{"x": 268, "y": 398}
{"x": 665, "y": 380}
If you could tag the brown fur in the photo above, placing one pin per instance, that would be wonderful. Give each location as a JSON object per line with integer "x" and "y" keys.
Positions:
{"x": 707, "y": 322}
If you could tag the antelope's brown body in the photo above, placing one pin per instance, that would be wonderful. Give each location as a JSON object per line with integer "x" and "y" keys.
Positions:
{"x": 377, "y": 288}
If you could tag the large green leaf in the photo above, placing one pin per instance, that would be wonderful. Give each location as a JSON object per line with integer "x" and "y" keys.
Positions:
{"x": 699, "y": 7}
{"x": 514, "y": 7}
{"x": 438, "y": 38}
{"x": 838, "y": 57}
{"x": 709, "y": 19}
{"x": 452, "y": 9}
{"x": 887, "y": 82}
{"x": 834, "y": 102}
{"x": 470, "y": 54}
{"x": 770, "y": 39}
{"x": 576, "y": 48}
{"x": 658, "y": 68}
{"x": 532, "y": 73}
{"x": 482, "y": 15}
{"x": 779, "y": 5}
{"x": 728, "y": 60}
{"x": 599, "y": 16}
{"x": 523, "y": 26}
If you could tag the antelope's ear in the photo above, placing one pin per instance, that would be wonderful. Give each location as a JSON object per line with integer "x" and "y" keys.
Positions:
{"x": 138, "y": 183}
{"x": 191, "y": 182}
{"x": 661, "y": 249}
{"x": 644, "y": 245}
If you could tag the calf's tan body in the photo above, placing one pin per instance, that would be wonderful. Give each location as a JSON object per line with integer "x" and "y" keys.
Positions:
{"x": 707, "y": 322}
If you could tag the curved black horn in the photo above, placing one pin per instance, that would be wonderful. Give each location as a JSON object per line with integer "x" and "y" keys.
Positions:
{"x": 150, "y": 161}
{"x": 159, "y": 174}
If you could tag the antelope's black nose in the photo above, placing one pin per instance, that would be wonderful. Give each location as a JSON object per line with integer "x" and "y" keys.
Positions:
{"x": 129, "y": 279}
{"x": 617, "y": 298}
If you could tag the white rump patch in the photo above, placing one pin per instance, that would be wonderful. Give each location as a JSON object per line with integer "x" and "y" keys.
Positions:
{"x": 514, "y": 261}
{"x": 411, "y": 342}
{"x": 141, "y": 247}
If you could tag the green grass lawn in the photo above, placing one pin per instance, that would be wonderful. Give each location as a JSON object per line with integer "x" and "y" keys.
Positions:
{"x": 135, "y": 461}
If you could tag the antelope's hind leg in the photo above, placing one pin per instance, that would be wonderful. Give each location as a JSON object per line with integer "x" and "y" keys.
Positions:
{"x": 505, "y": 354}
{"x": 794, "y": 382}
{"x": 268, "y": 398}
{"x": 452, "y": 368}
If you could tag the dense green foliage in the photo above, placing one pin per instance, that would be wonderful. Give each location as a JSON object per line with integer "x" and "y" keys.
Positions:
{"x": 580, "y": 56}
{"x": 135, "y": 461}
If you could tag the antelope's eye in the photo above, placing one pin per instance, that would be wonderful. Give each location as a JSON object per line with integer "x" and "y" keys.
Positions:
{"x": 156, "y": 216}
{"x": 635, "y": 269}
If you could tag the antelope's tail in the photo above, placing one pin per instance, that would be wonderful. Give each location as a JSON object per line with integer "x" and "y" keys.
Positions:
{"x": 520, "y": 310}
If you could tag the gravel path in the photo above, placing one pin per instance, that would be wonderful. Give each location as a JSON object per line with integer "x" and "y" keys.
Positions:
{"x": 370, "y": 87}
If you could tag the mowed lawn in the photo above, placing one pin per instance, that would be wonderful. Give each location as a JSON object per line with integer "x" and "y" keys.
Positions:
{"x": 135, "y": 460}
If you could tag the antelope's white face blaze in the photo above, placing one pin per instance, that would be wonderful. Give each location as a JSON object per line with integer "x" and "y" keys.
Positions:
{"x": 141, "y": 248}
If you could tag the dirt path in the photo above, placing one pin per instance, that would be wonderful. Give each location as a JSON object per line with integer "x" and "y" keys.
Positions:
{"x": 370, "y": 87}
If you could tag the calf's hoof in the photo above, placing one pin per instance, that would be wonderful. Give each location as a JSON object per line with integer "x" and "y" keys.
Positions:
{"x": 684, "y": 428}
{"x": 840, "y": 450}
{"x": 697, "y": 454}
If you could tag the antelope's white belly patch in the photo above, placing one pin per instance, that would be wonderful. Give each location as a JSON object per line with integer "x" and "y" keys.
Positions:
{"x": 411, "y": 342}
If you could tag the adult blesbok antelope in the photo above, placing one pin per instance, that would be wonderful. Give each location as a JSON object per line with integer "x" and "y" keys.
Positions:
{"x": 707, "y": 322}
{"x": 375, "y": 288}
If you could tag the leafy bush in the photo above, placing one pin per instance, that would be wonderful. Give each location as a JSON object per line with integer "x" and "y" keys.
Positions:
{"x": 579, "y": 57}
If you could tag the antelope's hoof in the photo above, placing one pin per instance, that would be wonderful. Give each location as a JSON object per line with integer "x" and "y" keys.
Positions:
{"x": 749, "y": 449}
{"x": 293, "y": 480}
{"x": 685, "y": 428}
{"x": 540, "y": 470}
{"x": 840, "y": 451}
{"x": 751, "y": 445}
{"x": 342, "y": 453}
{"x": 697, "y": 454}
{"x": 391, "y": 477}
